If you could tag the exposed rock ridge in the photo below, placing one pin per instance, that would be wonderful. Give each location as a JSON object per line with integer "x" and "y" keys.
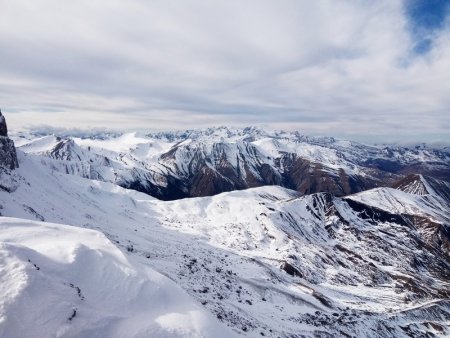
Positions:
{"x": 8, "y": 156}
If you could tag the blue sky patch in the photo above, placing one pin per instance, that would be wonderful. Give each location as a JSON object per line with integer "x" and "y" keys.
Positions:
{"x": 426, "y": 18}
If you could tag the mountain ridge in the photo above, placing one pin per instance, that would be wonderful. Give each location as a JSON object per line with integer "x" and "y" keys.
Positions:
{"x": 205, "y": 162}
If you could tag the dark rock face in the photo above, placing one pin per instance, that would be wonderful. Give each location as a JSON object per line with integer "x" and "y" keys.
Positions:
{"x": 289, "y": 269}
{"x": 226, "y": 167}
{"x": 229, "y": 167}
{"x": 8, "y": 156}
{"x": 307, "y": 177}
{"x": 3, "y": 128}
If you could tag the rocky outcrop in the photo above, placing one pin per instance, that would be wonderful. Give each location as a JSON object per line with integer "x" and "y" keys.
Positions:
{"x": 308, "y": 177}
{"x": 290, "y": 269}
{"x": 424, "y": 185}
{"x": 3, "y": 128}
{"x": 8, "y": 156}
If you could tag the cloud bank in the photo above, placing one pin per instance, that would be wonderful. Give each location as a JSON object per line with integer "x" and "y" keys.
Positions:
{"x": 360, "y": 69}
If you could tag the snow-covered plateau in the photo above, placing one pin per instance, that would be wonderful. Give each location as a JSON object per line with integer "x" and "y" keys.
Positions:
{"x": 289, "y": 236}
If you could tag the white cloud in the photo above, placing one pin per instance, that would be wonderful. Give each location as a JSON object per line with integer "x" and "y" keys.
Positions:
{"x": 330, "y": 67}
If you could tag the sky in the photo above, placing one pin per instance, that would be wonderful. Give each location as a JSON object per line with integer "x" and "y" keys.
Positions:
{"x": 368, "y": 70}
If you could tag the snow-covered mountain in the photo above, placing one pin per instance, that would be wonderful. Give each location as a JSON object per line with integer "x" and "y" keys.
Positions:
{"x": 300, "y": 254}
{"x": 206, "y": 162}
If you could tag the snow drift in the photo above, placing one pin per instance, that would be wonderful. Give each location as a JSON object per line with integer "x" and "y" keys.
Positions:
{"x": 63, "y": 281}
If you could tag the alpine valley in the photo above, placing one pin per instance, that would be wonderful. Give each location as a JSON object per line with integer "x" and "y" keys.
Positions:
{"x": 222, "y": 232}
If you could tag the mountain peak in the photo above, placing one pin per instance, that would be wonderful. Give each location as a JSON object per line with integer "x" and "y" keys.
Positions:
{"x": 418, "y": 184}
{"x": 414, "y": 184}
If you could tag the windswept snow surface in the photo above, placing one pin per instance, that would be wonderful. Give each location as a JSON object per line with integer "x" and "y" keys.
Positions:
{"x": 63, "y": 281}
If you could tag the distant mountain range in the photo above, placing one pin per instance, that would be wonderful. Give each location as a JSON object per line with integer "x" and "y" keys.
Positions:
{"x": 206, "y": 162}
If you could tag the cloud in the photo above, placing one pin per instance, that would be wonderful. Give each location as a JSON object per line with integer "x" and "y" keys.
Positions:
{"x": 331, "y": 67}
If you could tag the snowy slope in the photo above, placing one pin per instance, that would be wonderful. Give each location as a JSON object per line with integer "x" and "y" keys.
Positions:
{"x": 63, "y": 281}
{"x": 267, "y": 260}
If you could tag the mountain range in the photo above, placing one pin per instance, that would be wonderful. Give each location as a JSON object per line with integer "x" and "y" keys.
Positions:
{"x": 223, "y": 232}
{"x": 197, "y": 163}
